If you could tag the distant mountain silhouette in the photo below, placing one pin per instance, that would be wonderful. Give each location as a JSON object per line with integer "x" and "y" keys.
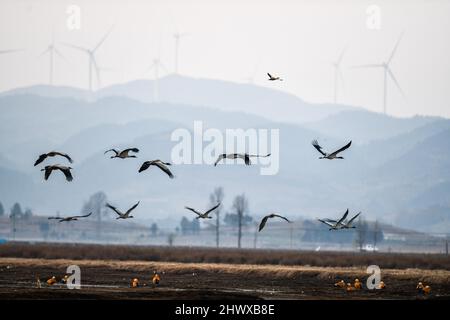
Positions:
{"x": 367, "y": 126}
{"x": 271, "y": 103}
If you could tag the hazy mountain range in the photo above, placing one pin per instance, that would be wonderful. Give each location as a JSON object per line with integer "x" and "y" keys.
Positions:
{"x": 397, "y": 170}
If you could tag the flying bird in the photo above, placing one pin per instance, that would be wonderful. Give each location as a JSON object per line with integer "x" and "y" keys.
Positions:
{"x": 67, "y": 219}
{"x": 273, "y": 215}
{"x": 43, "y": 156}
{"x": 244, "y": 156}
{"x": 160, "y": 164}
{"x": 204, "y": 215}
{"x": 124, "y": 153}
{"x": 332, "y": 155}
{"x": 120, "y": 214}
{"x": 335, "y": 224}
{"x": 66, "y": 170}
{"x": 346, "y": 224}
{"x": 272, "y": 78}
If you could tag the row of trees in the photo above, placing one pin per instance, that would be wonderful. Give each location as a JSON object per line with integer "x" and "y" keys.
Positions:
{"x": 16, "y": 212}
{"x": 237, "y": 217}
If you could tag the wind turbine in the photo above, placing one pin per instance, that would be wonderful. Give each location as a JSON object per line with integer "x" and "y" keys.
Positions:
{"x": 338, "y": 74}
{"x": 177, "y": 37}
{"x": 155, "y": 67}
{"x": 92, "y": 64}
{"x": 51, "y": 50}
{"x": 386, "y": 71}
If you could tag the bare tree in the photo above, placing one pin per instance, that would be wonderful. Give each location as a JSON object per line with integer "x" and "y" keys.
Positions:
{"x": 240, "y": 205}
{"x": 214, "y": 198}
{"x": 170, "y": 239}
{"x": 97, "y": 205}
{"x": 376, "y": 232}
{"x": 361, "y": 233}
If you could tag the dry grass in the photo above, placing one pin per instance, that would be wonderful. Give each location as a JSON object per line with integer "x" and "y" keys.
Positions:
{"x": 227, "y": 256}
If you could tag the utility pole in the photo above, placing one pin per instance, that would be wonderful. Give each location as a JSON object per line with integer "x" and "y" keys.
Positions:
{"x": 13, "y": 217}
{"x": 291, "y": 229}
{"x": 255, "y": 238}
{"x": 375, "y": 234}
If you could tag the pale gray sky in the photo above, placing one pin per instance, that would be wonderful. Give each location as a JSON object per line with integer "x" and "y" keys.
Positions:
{"x": 230, "y": 39}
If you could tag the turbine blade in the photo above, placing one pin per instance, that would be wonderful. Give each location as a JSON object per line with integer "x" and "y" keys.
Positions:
{"x": 10, "y": 51}
{"x": 60, "y": 54}
{"x": 341, "y": 56}
{"x": 44, "y": 52}
{"x": 395, "y": 81}
{"x": 395, "y": 48}
{"x": 367, "y": 66}
{"x": 103, "y": 39}
{"x": 149, "y": 68}
{"x": 74, "y": 47}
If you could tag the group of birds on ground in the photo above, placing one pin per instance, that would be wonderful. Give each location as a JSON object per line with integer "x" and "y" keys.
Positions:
{"x": 333, "y": 224}
{"x": 357, "y": 285}
{"x": 155, "y": 280}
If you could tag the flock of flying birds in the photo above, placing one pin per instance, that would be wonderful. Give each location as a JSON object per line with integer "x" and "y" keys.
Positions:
{"x": 333, "y": 224}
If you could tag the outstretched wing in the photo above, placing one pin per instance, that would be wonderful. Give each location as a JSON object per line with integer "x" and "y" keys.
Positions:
{"x": 136, "y": 150}
{"x": 212, "y": 209}
{"x": 270, "y": 76}
{"x": 132, "y": 208}
{"x": 259, "y": 156}
{"x": 318, "y": 147}
{"x": 164, "y": 168}
{"x": 67, "y": 173}
{"x": 277, "y": 215}
{"x": 263, "y": 223}
{"x": 326, "y": 222}
{"x": 352, "y": 219}
{"x": 85, "y": 216}
{"x": 343, "y": 218}
{"x": 220, "y": 158}
{"x": 145, "y": 166}
{"x": 40, "y": 159}
{"x": 342, "y": 149}
{"x": 48, "y": 171}
{"x": 114, "y": 208}
{"x": 65, "y": 155}
{"x": 193, "y": 210}
{"x": 113, "y": 150}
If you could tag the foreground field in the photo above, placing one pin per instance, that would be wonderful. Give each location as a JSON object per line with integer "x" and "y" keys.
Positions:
{"x": 109, "y": 279}
{"x": 223, "y": 255}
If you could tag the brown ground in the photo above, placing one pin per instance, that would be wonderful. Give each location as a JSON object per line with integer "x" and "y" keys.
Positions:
{"x": 109, "y": 279}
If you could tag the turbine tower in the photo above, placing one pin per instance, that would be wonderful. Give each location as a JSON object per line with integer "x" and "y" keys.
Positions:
{"x": 92, "y": 62}
{"x": 338, "y": 74}
{"x": 51, "y": 50}
{"x": 177, "y": 37}
{"x": 387, "y": 71}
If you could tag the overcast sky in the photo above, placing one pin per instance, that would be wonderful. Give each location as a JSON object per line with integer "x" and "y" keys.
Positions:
{"x": 234, "y": 39}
